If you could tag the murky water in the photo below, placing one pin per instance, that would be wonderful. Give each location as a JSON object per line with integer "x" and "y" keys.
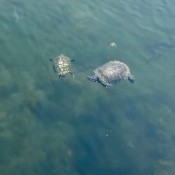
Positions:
{"x": 50, "y": 126}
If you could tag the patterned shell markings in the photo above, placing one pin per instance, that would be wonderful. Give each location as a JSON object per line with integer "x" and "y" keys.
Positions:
{"x": 62, "y": 65}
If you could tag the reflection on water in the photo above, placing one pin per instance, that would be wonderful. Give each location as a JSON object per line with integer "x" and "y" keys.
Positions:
{"x": 71, "y": 126}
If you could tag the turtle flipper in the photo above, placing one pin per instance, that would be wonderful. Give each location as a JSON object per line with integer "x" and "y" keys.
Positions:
{"x": 72, "y": 75}
{"x": 93, "y": 78}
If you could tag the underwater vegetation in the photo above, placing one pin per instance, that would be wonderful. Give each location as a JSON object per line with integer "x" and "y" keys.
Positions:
{"x": 70, "y": 126}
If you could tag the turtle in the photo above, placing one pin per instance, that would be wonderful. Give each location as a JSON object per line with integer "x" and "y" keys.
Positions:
{"x": 62, "y": 65}
{"x": 111, "y": 73}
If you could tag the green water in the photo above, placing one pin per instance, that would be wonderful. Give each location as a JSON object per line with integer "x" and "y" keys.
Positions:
{"x": 50, "y": 126}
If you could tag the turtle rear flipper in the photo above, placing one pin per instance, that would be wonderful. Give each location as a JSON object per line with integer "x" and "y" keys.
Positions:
{"x": 54, "y": 69}
{"x": 72, "y": 75}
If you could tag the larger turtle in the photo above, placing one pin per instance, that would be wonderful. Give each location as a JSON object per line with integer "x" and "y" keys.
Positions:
{"x": 62, "y": 65}
{"x": 111, "y": 73}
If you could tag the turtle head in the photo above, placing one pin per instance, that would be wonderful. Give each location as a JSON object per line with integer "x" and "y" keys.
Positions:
{"x": 131, "y": 78}
{"x": 93, "y": 78}
{"x": 50, "y": 59}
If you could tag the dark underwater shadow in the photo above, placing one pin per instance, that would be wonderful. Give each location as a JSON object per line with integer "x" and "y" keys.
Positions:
{"x": 96, "y": 154}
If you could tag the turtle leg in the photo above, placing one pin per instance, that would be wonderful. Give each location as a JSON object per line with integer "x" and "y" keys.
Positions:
{"x": 93, "y": 78}
{"x": 104, "y": 85}
{"x": 72, "y": 75}
{"x": 54, "y": 69}
{"x": 61, "y": 76}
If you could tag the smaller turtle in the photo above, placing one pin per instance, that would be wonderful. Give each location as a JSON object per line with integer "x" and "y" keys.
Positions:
{"x": 62, "y": 65}
{"x": 111, "y": 73}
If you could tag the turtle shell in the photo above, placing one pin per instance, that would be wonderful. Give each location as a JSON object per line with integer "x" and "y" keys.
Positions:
{"x": 112, "y": 72}
{"x": 62, "y": 65}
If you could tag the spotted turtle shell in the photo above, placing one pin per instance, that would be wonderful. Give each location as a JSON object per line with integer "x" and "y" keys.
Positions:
{"x": 62, "y": 65}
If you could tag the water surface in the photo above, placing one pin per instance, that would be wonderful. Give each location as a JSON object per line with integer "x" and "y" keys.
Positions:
{"x": 50, "y": 126}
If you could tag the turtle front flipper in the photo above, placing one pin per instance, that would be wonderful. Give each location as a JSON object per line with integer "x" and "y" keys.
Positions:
{"x": 93, "y": 78}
